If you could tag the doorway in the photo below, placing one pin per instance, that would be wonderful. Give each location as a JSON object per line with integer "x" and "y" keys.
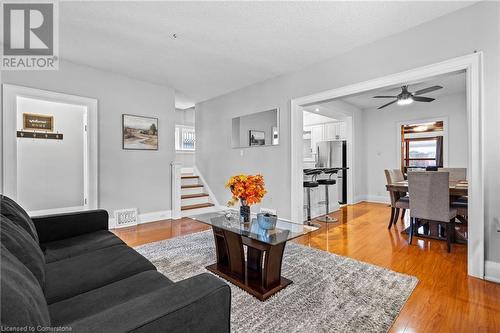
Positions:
{"x": 50, "y": 150}
{"x": 472, "y": 65}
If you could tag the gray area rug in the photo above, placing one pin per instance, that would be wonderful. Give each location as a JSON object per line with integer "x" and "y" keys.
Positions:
{"x": 329, "y": 293}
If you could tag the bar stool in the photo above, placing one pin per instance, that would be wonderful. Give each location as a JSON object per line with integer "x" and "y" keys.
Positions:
{"x": 308, "y": 185}
{"x": 327, "y": 183}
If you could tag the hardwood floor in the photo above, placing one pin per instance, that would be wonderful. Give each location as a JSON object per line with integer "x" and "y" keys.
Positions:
{"x": 445, "y": 299}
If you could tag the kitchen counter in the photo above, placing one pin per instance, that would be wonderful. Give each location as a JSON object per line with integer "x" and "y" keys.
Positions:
{"x": 310, "y": 169}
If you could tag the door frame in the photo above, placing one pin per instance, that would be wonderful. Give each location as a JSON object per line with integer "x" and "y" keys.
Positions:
{"x": 8, "y": 165}
{"x": 472, "y": 64}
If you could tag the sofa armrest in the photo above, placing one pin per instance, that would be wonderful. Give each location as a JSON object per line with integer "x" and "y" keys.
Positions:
{"x": 201, "y": 303}
{"x": 60, "y": 226}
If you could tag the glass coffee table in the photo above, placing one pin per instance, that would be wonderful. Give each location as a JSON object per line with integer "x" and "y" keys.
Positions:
{"x": 260, "y": 273}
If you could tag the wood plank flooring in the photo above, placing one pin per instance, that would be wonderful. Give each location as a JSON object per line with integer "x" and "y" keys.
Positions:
{"x": 445, "y": 299}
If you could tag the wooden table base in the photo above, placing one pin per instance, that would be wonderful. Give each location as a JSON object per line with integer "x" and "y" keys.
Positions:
{"x": 259, "y": 274}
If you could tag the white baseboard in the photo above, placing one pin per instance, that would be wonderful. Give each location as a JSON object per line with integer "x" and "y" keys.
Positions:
{"x": 492, "y": 271}
{"x": 373, "y": 198}
{"x": 145, "y": 218}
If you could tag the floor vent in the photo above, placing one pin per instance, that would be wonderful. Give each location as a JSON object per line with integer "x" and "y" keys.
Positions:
{"x": 126, "y": 217}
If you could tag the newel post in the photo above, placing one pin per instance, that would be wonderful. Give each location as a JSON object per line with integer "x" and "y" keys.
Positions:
{"x": 176, "y": 189}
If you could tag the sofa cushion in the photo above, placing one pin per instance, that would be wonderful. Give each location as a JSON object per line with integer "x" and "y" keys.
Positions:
{"x": 20, "y": 244}
{"x": 197, "y": 304}
{"x": 105, "y": 298}
{"x": 10, "y": 209}
{"x": 73, "y": 246}
{"x": 75, "y": 275}
{"x": 22, "y": 299}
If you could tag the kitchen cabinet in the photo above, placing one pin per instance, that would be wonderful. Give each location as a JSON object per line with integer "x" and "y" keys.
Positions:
{"x": 322, "y": 132}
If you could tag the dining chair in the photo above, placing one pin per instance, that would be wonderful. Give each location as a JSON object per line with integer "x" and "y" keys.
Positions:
{"x": 456, "y": 174}
{"x": 462, "y": 205}
{"x": 398, "y": 200}
{"x": 429, "y": 194}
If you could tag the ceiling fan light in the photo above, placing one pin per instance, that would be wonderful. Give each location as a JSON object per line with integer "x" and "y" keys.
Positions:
{"x": 405, "y": 101}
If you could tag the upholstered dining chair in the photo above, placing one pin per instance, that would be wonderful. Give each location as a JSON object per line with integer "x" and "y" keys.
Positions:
{"x": 429, "y": 194}
{"x": 456, "y": 174}
{"x": 398, "y": 200}
{"x": 460, "y": 203}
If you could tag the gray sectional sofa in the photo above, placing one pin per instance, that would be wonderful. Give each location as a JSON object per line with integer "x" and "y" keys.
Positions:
{"x": 68, "y": 272}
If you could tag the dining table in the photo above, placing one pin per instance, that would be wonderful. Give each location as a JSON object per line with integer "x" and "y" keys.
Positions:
{"x": 457, "y": 189}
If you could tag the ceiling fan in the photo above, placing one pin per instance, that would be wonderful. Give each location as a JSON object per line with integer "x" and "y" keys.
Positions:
{"x": 406, "y": 97}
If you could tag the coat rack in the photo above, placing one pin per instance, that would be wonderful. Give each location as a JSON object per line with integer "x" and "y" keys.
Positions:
{"x": 38, "y": 135}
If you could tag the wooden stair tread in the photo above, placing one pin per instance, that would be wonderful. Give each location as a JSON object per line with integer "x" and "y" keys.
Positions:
{"x": 190, "y": 177}
{"x": 203, "y": 205}
{"x": 198, "y": 195}
{"x": 191, "y": 186}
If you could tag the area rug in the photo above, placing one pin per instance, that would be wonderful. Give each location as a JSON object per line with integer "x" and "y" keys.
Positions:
{"x": 329, "y": 293}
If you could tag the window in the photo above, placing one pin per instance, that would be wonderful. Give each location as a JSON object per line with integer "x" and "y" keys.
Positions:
{"x": 420, "y": 152}
{"x": 185, "y": 139}
{"x": 421, "y": 146}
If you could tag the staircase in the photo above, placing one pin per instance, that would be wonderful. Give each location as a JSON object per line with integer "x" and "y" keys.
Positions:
{"x": 194, "y": 199}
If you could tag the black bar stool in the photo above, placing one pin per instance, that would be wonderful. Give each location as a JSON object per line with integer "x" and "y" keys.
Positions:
{"x": 327, "y": 183}
{"x": 308, "y": 185}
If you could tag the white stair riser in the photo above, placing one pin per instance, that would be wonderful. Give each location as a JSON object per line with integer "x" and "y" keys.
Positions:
{"x": 187, "y": 170}
{"x": 194, "y": 190}
{"x": 192, "y": 212}
{"x": 194, "y": 201}
{"x": 190, "y": 181}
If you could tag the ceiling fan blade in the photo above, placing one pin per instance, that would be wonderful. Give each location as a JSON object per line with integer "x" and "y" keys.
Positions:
{"x": 422, "y": 99}
{"x": 427, "y": 90}
{"x": 385, "y": 96}
{"x": 383, "y": 106}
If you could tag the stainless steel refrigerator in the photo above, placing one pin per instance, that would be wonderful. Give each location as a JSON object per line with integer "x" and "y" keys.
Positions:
{"x": 333, "y": 154}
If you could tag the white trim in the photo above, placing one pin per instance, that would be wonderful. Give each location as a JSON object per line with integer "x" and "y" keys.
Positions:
{"x": 473, "y": 65}
{"x": 176, "y": 189}
{"x": 374, "y": 198}
{"x": 492, "y": 271}
{"x": 42, "y": 212}
{"x": 143, "y": 218}
{"x": 8, "y": 181}
{"x": 207, "y": 187}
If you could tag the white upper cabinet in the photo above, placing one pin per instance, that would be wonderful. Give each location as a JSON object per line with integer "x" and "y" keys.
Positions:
{"x": 335, "y": 131}
{"x": 324, "y": 132}
{"x": 330, "y": 131}
{"x": 317, "y": 134}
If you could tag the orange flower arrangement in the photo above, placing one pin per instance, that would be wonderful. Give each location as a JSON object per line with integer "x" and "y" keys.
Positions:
{"x": 247, "y": 188}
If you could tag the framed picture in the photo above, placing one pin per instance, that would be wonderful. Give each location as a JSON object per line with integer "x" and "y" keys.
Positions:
{"x": 257, "y": 138}
{"x": 38, "y": 122}
{"x": 139, "y": 133}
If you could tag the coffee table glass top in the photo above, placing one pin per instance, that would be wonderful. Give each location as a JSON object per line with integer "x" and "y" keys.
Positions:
{"x": 229, "y": 220}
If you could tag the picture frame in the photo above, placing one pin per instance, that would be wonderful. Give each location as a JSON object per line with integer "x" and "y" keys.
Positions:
{"x": 256, "y": 138}
{"x": 139, "y": 132}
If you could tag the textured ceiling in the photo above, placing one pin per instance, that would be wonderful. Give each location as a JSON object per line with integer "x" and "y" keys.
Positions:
{"x": 452, "y": 84}
{"x": 224, "y": 46}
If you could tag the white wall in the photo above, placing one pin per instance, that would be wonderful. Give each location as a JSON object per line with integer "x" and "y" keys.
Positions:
{"x": 51, "y": 171}
{"x": 126, "y": 178}
{"x": 473, "y": 28}
{"x": 382, "y": 137}
{"x": 185, "y": 117}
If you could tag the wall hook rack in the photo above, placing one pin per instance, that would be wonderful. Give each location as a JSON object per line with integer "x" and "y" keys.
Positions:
{"x": 39, "y": 135}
